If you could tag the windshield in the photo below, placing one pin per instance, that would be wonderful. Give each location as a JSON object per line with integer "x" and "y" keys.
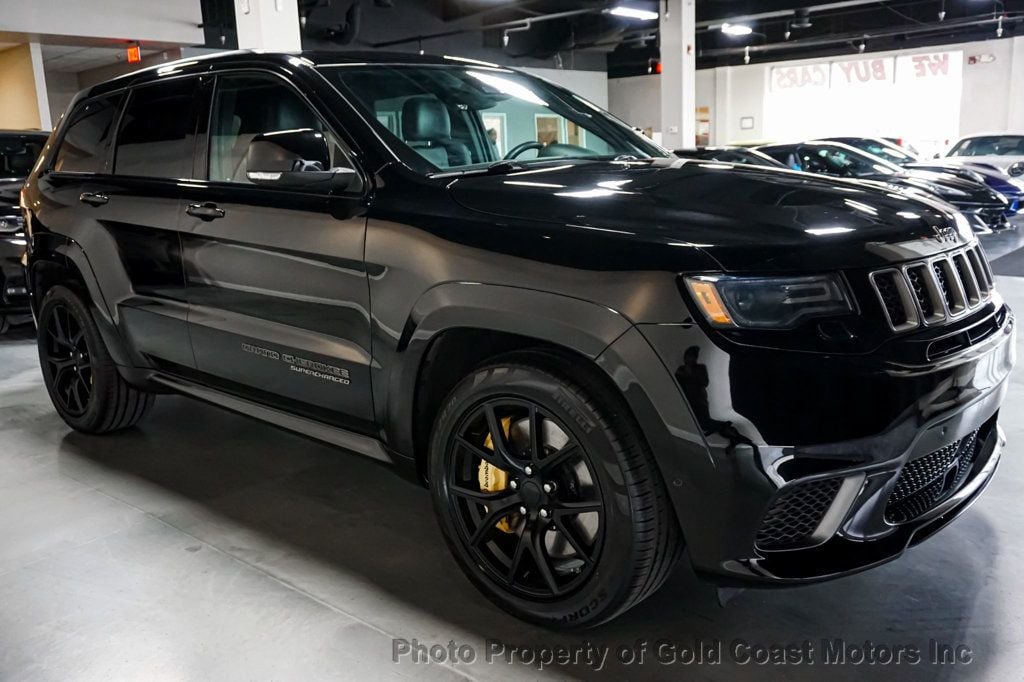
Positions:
{"x": 18, "y": 153}
{"x": 880, "y": 149}
{"x": 990, "y": 145}
{"x": 832, "y": 160}
{"x": 747, "y": 156}
{"x": 458, "y": 117}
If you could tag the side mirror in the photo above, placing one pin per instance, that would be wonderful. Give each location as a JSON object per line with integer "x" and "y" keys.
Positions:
{"x": 298, "y": 159}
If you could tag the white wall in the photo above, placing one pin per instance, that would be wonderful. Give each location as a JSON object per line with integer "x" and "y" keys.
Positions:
{"x": 162, "y": 21}
{"x": 61, "y": 88}
{"x": 636, "y": 100}
{"x": 992, "y": 95}
{"x": 590, "y": 85}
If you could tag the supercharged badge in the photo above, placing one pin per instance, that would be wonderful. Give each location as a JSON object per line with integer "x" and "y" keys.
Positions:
{"x": 317, "y": 370}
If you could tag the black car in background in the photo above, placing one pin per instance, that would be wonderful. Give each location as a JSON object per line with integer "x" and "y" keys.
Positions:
{"x": 877, "y": 147}
{"x": 592, "y": 352}
{"x": 18, "y": 153}
{"x": 729, "y": 155}
{"x": 985, "y": 208}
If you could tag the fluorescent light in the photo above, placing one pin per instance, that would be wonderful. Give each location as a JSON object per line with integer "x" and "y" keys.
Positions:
{"x": 736, "y": 29}
{"x": 822, "y": 231}
{"x": 634, "y": 13}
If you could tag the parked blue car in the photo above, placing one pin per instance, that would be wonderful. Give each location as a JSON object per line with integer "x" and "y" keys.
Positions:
{"x": 989, "y": 175}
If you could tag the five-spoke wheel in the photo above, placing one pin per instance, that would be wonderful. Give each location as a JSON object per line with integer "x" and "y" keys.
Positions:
{"x": 67, "y": 360}
{"x": 547, "y": 494}
{"x": 525, "y": 497}
{"x": 82, "y": 379}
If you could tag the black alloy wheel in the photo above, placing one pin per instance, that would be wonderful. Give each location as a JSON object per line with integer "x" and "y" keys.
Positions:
{"x": 547, "y": 493}
{"x": 68, "y": 361}
{"x": 82, "y": 379}
{"x": 539, "y": 530}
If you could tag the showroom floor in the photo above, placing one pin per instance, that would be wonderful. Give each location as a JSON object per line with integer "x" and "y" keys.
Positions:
{"x": 203, "y": 546}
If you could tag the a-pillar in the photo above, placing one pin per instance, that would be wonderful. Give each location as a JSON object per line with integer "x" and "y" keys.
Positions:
{"x": 271, "y": 25}
{"x": 678, "y": 74}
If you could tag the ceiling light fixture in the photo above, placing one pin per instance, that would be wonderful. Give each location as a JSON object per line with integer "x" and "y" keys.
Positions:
{"x": 633, "y": 13}
{"x": 736, "y": 29}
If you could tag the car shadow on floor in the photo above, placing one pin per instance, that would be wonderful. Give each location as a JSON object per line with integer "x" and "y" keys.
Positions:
{"x": 267, "y": 497}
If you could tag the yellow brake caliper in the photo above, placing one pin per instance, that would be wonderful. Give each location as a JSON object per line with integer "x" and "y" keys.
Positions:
{"x": 494, "y": 479}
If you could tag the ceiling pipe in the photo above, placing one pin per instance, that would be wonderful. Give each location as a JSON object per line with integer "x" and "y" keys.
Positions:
{"x": 514, "y": 25}
{"x": 775, "y": 14}
{"x": 823, "y": 41}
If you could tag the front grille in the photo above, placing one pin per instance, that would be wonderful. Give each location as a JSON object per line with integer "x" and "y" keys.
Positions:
{"x": 796, "y": 513}
{"x": 933, "y": 291}
{"x": 926, "y": 481}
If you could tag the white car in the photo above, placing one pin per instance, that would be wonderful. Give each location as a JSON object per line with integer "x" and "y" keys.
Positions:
{"x": 1004, "y": 151}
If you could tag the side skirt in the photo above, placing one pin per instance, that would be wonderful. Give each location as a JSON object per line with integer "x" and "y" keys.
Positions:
{"x": 354, "y": 442}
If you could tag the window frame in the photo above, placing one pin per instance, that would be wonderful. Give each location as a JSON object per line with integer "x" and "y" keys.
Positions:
{"x": 195, "y": 112}
{"x": 201, "y": 158}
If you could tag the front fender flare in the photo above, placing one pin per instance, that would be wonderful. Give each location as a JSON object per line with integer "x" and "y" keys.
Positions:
{"x": 580, "y": 326}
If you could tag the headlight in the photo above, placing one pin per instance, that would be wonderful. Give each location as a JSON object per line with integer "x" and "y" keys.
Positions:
{"x": 767, "y": 302}
{"x": 12, "y": 225}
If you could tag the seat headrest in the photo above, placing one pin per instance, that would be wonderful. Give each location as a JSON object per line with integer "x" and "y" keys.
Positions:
{"x": 425, "y": 118}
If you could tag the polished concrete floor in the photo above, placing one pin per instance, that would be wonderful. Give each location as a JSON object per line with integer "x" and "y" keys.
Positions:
{"x": 204, "y": 546}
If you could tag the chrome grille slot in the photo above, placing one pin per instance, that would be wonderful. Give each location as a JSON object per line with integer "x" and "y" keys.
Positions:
{"x": 980, "y": 267}
{"x": 926, "y": 291}
{"x": 949, "y": 283}
{"x": 979, "y": 271}
{"x": 970, "y": 285}
{"x": 932, "y": 291}
{"x": 897, "y": 299}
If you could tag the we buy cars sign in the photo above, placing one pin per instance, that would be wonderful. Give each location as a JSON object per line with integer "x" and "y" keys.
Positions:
{"x": 920, "y": 68}
{"x": 859, "y": 72}
{"x": 906, "y": 69}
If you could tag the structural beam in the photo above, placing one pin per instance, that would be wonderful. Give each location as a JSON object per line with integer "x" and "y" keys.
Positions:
{"x": 678, "y": 74}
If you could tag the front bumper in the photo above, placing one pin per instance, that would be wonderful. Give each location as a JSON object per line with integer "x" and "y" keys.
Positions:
{"x": 755, "y": 425}
{"x": 14, "y": 298}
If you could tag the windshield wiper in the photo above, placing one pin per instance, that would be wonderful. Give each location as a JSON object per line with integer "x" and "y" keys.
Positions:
{"x": 494, "y": 168}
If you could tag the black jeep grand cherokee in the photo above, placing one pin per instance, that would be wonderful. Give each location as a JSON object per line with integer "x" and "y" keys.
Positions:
{"x": 591, "y": 351}
{"x": 19, "y": 150}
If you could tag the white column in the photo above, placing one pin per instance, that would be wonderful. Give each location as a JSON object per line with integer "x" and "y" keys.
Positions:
{"x": 39, "y": 76}
{"x": 1015, "y": 89}
{"x": 678, "y": 74}
{"x": 271, "y": 25}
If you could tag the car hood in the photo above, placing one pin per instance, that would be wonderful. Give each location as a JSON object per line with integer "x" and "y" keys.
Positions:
{"x": 744, "y": 217}
{"x": 1001, "y": 162}
{"x": 951, "y": 188}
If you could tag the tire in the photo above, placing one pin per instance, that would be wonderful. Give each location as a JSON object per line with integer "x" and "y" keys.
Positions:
{"x": 81, "y": 378}
{"x": 5, "y": 325}
{"x": 597, "y": 510}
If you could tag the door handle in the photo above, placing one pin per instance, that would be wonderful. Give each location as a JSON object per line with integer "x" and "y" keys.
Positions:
{"x": 206, "y": 211}
{"x": 93, "y": 198}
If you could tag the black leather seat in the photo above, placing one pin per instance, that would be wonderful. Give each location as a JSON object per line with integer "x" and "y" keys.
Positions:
{"x": 427, "y": 128}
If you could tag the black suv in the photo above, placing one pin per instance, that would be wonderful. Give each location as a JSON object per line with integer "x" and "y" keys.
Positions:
{"x": 19, "y": 150}
{"x": 591, "y": 351}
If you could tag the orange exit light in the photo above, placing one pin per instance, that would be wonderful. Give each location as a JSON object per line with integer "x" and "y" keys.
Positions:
{"x": 134, "y": 54}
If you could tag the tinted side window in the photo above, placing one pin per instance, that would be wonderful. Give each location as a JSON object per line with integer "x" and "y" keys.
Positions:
{"x": 245, "y": 106}
{"x": 86, "y": 143}
{"x": 157, "y": 131}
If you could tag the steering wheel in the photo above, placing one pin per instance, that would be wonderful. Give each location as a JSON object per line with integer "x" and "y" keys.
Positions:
{"x": 523, "y": 147}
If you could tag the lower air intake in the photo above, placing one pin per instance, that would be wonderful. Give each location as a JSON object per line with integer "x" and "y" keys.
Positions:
{"x": 796, "y": 513}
